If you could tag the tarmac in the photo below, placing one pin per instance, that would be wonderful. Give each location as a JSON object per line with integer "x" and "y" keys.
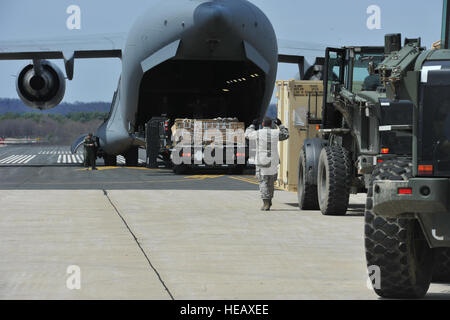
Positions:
{"x": 136, "y": 233}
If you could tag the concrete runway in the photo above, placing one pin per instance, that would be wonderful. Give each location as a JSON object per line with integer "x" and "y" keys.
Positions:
{"x": 148, "y": 234}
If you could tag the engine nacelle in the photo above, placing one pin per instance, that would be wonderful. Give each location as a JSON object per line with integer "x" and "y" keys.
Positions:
{"x": 41, "y": 86}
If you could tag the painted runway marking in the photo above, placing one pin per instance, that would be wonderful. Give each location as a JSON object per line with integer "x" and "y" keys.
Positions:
{"x": 50, "y": 156}
{"x": 121, "y": 160}
{"x": 69, "y": 159}
{"x": 27, "y": 159}
{"x": 18, "y": 159}
{"x": 54, "y": 152}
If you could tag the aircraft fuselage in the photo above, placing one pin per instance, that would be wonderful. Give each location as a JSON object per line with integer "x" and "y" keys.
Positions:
{"x": 192, "y": 59}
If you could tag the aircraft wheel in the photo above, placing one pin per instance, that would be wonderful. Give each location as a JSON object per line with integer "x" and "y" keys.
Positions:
{"x": 110, "y": 160}
{"x": 238, "y": 170}
{"x": 179, "y": 169}
{"x": 131, "y": 157}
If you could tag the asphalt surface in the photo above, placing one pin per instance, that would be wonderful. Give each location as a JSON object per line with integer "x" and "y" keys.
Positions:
{"x": 134, "y": 233}
{"x": 55, "y": 168}
{"x": 43, "y": 155}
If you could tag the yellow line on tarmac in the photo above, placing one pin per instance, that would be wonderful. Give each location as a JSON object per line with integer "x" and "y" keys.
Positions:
{"x": 203, "y": 177}
{"x": 244, "y": 180}
{"x": 118, "y": 167}
{"x": 143, "y": 168}
{"x": 252, "y": 181}
{"x": 98, "y": 168}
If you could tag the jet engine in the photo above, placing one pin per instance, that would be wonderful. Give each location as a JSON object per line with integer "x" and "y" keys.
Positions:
{"x": 41, "y": 85}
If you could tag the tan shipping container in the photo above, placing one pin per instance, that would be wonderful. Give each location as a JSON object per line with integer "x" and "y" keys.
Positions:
{"x": 295, "y": 99}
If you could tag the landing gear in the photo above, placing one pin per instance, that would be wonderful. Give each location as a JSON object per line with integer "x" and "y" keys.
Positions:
{"x": 131, "y": 157}
{"x": 110, "y": 160}
{"x": 179, "y": 169}
{"x": 238, "y": 170}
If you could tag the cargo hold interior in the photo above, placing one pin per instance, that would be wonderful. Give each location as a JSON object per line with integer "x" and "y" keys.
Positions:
{"x": 201, "y": 90}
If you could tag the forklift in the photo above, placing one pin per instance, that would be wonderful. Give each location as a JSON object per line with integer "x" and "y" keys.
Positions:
{"x": 355, "y": 108}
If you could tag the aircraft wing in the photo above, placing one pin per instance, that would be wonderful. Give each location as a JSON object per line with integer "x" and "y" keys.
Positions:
{"x": 68, "y": 48}
{"x": 300, "y": 52}
{"x": 90, "y": 46}
{"x": 300, "y": 48}
{"x": 110, "y": 46}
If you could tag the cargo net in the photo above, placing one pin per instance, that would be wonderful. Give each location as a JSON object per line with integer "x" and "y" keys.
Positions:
{"x": 209, "y": 132}
{"x": 211, "y": 142}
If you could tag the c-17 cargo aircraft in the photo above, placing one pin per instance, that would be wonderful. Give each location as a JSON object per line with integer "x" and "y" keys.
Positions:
{"x": 218, "y": 58}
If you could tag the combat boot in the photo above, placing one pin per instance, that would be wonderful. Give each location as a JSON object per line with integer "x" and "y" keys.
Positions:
{"x": 266, "y": 205}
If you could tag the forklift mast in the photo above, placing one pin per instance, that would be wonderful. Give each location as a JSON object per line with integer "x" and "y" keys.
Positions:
{"x": 445, "y": 35}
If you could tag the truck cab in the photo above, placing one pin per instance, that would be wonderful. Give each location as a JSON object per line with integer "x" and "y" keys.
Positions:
{"x": 352, "y": 78}
{"x": 407, "y": 214}
{"x": 358, "y": 122}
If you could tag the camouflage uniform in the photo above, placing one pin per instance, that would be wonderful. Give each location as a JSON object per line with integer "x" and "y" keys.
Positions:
{"x": 266, "y": 184}
{"x": 267, "y": 175}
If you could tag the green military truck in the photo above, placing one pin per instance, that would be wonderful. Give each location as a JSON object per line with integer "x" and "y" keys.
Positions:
{"x": 407, "y": 218}
{"x": 355, "y": 105}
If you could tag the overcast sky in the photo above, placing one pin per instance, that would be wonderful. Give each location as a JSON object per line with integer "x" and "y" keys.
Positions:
{"x": 329, "y": 22}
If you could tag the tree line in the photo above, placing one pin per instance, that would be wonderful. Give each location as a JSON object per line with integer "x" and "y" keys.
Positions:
{"x": 73, "y": 116}
{"x": 52, "y": 128}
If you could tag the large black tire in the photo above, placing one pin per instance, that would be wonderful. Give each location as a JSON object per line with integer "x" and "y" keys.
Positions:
{"x": 131, "y": 157}
{"x": 441, "y": 272}
{"x": 306, "y": 192}
{"x": 334, "y": 177}
{"x": 152, "y": 157}
{"x": 110, "y": 160}
{"x": 397, "y": 246}
{"x": 238, "y": 170}
{"x": 179, "y": 169}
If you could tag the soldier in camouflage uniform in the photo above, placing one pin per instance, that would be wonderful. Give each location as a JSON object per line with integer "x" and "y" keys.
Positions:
{"x": 266, "y": 157}
{"x": 90, "y": 147}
